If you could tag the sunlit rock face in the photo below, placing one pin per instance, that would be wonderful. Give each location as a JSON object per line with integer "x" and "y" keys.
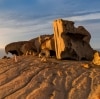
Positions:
{"x": 71, "y": 42}
{"x": 96, "y": 59}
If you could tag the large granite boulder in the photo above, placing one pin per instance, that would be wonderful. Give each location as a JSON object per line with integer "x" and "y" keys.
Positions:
{"x": 71, "y": 42}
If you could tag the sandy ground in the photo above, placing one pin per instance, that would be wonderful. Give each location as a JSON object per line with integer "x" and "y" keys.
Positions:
{"x": 29, "y": 78}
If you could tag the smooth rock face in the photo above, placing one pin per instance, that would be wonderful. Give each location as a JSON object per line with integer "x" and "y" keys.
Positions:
{"x": 29, "y": 78}
{"x": 70, "y": 41}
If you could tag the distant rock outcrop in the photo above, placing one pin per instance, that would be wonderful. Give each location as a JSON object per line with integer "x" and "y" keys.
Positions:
{"x": 71, "y": 42}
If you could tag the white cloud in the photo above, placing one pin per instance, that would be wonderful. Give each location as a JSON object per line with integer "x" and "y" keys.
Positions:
{"x": 84, "y": 17}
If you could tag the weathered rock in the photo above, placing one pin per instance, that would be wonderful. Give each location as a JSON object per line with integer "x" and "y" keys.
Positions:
{"x": 15, "y": 47}
{"x": 67, "y": 42}
{"x": 44, "y": 53}
{"x": 48, "y": 45}
{"x": 28, "y": 48}
{"x": 86, "y": 35}
{"x": 38, "y": 41}
{"x": 82, "y": 49}
{"x": 21, "y": 47}
{"x": 95, "y": 94}
{"x": 96, "y": 58}
{"x": 29, "y": 78}
{"x": 42, "y": 37}
{"x": 70, "y": 41}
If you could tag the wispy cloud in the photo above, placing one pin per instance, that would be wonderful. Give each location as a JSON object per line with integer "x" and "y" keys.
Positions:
{"x": 14, "y": 29}
{"x": 85, "y": 17}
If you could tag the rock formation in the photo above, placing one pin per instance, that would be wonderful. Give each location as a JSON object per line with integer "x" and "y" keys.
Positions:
{"x": 37, "y": 42}
{"x": 81, "y": 48}
{"x": 48, "y": 47}
{"x": 96, "y": 58}
{"x": 68, "y": 42}
{"x": 15, "y": 47}
{"x": 28, "y": 48}
{"x": 21, "y": 47}
{"x": 71, "y": 42}
{"x": 48, "y": 43}
{"x": 44, "y": 53}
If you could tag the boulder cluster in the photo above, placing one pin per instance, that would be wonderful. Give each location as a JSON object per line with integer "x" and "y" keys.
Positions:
{"x": 31, "y": 47}
{"x": 66, "y": 42}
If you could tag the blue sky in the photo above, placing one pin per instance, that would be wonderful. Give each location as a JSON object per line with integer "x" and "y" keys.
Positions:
{"x": 25, "y": 19}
